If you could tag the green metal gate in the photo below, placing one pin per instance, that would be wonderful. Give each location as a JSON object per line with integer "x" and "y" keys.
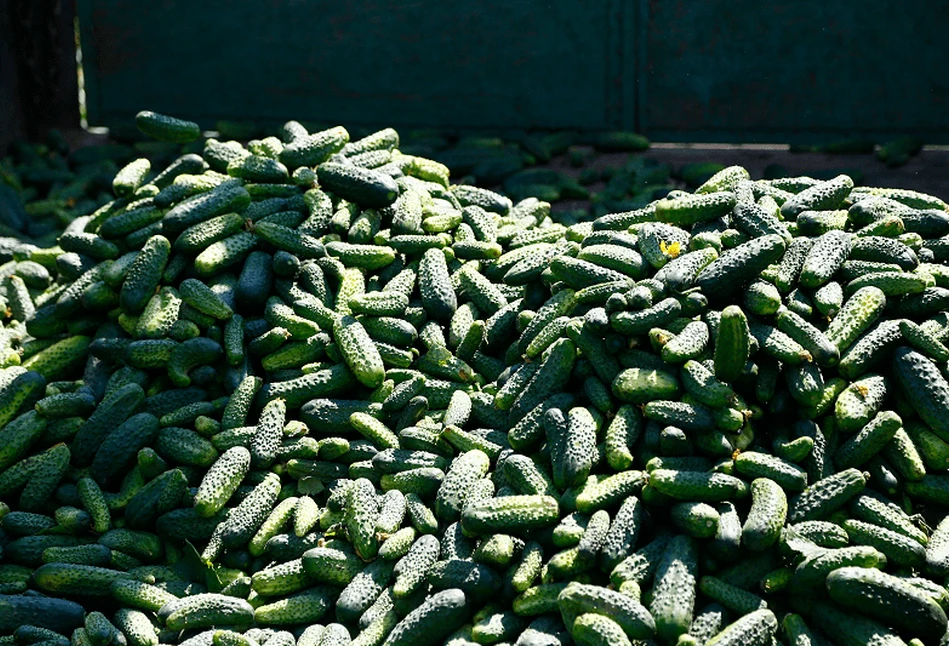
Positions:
{"x": 676, "y": 70}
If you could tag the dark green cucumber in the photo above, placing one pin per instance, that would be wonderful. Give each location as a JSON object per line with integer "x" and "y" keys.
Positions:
{"x": 739, "y": 266}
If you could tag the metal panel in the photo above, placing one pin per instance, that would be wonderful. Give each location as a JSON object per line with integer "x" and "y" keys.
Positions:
{"x": 464, "y": 64}
{"x": 676, "y": 70}
{"x": 749, "y": 71}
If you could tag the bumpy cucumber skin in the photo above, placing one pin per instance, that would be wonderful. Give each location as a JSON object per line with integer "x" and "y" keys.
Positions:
{"x": 822, "y": 196}
{"x": 738, "y": 266}
{"x": 824, "y": 258}
{"x": 769, "y": 507}
{"x": 757, "y": 628}
{"x": 431, "y": 622}
{"x": 732, "y": 344}
{"x": 360, "y": 185}
{"x": 858, "y": 313}
{"x": 51, "y": 613}
{"x": 825, "y": 496}
{"x": 144, "y": 274}
{"x": 674, "y": 593}
{"x": 166, "y": 128}
{"x": 511, "y": 514}
{"x": 207, "y": 610}
{"x": 889, "y": 598}
{"x": 925, "y": 387}
{"x": 222, "y": 480}
{"x": 633, "y": 618}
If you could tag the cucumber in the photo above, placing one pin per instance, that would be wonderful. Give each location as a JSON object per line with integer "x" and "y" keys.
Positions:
{"x": 642, "y": 385}
{"x": 18, "y": 435}
{"x": 510, "y": 514}
{"x": 75, "y": 580}
{"x": 465, "y": 471}
{"x": 730, "y": 596}
{"x": 89, "y": 244}
{"x": 265, "y": 443}
{"x": 223, "y": 253}
{"x": 825, "y": 195}
{"x": 550, "y": 378}
{"x": 691, "y": 210}
{"x": 361, "y": 514}
{"x": 815, "y": 342}
{"x": 738, "y": 266}
{"x": 120, "y": 446}
{"x": 858, "y": 313}
{"x": 222, "y": 480}
{"x": 430, "y": 623}
{"x": 757, "y": 464}
{"x": 755, "y": 220}
{"x": 869, "y": 349}
{"x": 144, "y": 274}
{"x": 591, "y": 629}
{"x": 697, "y": 485}
{"x": 191, "y": 354}
{"x": 201, "y": 297}
{"x": 313, "y": 149}
{"x": 165, "y": 128}
{"x": 305, "y": 607}
{"x": 225, "y": 197}
{"x": 848, "y": 629}
{"x": 859, "y": 402}
{"x": 871, "y": 439}
{"x": 51, "y": 613}
{"x": 898, "y": 548}
{"x": 572, "y": 466}
{"x": 889, "y": 599}
{"x": 824, "y": 259}
{"x": 245, "y": 519}
{"x": 205, "y": 611}
{"x": 924, "y": 386}
{"x": 755, "y": 628}
{"x": 360, "y": 185}
{"x": 882, "y": 249}
{"x": 332, "y": 565}
{"x": 438, "y": 295}
{"x": 138, "y": 594}
{"x": 697, "y": 519}
{"x": 281, "y": 579}
{"x": 876, "y": 510}
{"x": 732, "y": 344}
{"x": 769, "y": 506}
{"x": 412, "y": 569}
{"x": 640, "y": 322}
{"x": 622, "y": 259}
{"x": 674, "y": 593}
{"x": 825, "y": 496}
{"x": 680, "y": 273}
{"x": 285, "y": 238}
{"x": 201, "y": 235}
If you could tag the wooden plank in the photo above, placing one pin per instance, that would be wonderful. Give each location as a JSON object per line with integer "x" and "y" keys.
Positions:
{"x": 38, "y": 59}
{"x": 465, "y": 64}
{"x": 11, "y": 112}
{"x": 744, "y": 71}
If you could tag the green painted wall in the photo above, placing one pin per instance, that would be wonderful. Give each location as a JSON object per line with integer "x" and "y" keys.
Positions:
{"x": 678, "y": 70}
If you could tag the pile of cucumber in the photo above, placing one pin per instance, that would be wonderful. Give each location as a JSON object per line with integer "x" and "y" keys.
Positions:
{"x": 45, "y": 185}
{"x": 307, "y": 392}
